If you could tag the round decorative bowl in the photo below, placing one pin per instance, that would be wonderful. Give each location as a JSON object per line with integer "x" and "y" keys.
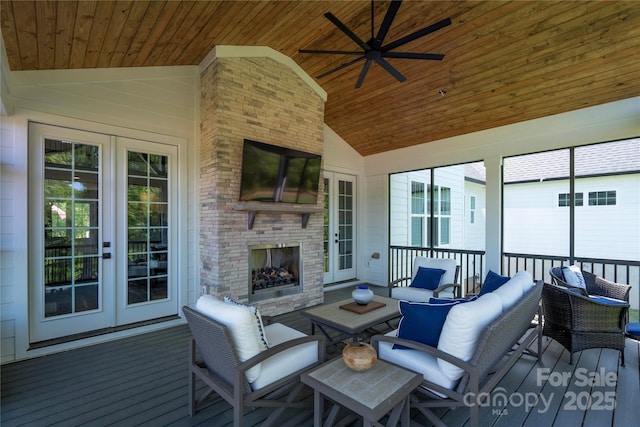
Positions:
{"x": 359, "y": 356}
{"x": 362, "y": 295}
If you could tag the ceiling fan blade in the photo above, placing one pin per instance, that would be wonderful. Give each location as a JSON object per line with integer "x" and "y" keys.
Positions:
{"x": 345, "y": 65}
{"x": 395, "y": 73}
{"x": 411, "y": 55}
{"x": 420, "y": 33}
{"x": 386, "y": 23}
{"x": 330, "y": 52}
{"x": 365, "y": 69}
{"x": 347, "y": 31}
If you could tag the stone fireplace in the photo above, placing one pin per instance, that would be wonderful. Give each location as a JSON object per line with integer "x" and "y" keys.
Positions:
{"x": 258, "y": 94}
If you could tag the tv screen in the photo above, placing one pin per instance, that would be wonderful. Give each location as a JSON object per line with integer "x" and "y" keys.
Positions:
{"x": 278, "y": 174}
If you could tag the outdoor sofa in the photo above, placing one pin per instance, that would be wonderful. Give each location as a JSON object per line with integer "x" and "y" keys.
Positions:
{"x": 479, "y": 343}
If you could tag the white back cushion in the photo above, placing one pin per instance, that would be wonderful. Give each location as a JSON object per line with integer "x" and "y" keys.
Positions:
{"x": 446, "y": 264}
{"x": 524, "y": 279}
{"x": 462, "y": 329}
{"x": 242, "y": 326}
{"x": 509, "y": 293}
{"x": 515, "y": 288}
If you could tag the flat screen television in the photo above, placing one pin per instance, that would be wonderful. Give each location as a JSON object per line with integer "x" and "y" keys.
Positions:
{"x": 278, "y": 174}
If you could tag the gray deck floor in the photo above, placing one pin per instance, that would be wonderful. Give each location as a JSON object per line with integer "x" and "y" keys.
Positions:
{"x": 142, "y": 380}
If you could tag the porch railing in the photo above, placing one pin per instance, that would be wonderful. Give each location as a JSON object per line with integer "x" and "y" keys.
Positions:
{"x": 620, "y": 271}
{"x": 473, "y": 269}
{"x": 472, "y": 263}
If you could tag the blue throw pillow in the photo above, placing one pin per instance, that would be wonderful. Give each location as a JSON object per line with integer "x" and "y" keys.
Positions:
{"x": 573, "y": 276}
{"x": 605, "y": 300}
{"x": 427, "y": 278}
{"x": 492, "y": 282}
{"x": 450, "y": 300}
{"x": 422, "y": 322}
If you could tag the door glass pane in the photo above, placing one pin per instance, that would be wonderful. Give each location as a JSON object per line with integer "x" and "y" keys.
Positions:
{"x": 71, "y": 228}
{"x": 345, "y": 225}
{"x": 327, "y": 206}
{"x": 147, "y": 227}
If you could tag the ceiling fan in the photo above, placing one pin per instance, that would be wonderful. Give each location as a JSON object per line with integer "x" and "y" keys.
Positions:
{"x": 374, "y": 50}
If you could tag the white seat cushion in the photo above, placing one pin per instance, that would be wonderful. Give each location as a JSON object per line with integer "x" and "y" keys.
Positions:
{"x": 462, "y": 329}
{"x": 407, "y": 293}
{"x": 417, "y": 361}
{"x": 242, "y": 326}
{"x": 288, "y": 361}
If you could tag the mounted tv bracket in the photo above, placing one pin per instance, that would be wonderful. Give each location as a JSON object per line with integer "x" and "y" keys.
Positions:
{"x": 253, "y": 208}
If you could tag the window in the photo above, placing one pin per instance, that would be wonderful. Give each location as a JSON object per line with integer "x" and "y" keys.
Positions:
{"x": 443, "y": 215}
{"x": 600, "y": 175}
{"x": 564, "y": 199}
{"x": 417, "y": 213}
{"x": 472, "y": 209}
{"x": 602, "y": 198}
{"x": 429, "y": 207}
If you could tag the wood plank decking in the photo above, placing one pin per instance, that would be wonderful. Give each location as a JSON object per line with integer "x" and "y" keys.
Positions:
{"x": 142, "y": 381}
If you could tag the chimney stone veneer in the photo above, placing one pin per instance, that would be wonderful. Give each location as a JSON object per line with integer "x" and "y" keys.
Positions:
{"x": 261, "y": 99}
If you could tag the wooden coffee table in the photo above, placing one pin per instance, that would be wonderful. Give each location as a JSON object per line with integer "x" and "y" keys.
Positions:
{"x": 383, "y": 389}
{"x": 349, "y": 324}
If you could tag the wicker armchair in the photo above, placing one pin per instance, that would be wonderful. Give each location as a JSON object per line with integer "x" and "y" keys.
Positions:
{"x": 595, "y": 285}
{"x": 579, "y": 322}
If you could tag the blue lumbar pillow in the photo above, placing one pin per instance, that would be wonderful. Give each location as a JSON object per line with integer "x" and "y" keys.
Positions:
{"x": 422, "y": 322}
{"x": 427, "y": 278}
{"x": 492, "y": 282}
{"x": 573, "y": 276}
{"x": 450, "y": 300}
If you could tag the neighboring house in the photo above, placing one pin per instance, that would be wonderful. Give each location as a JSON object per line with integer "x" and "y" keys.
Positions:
{"x": 536, "y": 203}
{"x": 607, "y": 202}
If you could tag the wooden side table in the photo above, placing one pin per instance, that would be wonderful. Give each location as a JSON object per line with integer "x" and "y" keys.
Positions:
{"x": 383, "y": 389}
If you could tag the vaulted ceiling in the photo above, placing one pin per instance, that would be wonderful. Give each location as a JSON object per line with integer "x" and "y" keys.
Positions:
{"x": 505, "y": 62}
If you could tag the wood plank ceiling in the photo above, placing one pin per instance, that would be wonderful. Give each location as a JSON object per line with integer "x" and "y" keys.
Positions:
{"x": 505, "y": 61}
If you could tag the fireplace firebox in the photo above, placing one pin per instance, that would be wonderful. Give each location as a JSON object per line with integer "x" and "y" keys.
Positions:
{"x": 274, "y": 270}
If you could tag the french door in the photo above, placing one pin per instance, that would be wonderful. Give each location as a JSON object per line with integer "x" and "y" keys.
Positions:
{"x": 339, "y": 227}
{"x": 102, "y": 225}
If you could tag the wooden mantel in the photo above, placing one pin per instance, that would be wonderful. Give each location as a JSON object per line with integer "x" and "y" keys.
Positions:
{"x": 253, "y": 208}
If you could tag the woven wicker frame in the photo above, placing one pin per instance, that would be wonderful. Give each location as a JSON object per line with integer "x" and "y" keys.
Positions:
{"x": 579, "y": 323}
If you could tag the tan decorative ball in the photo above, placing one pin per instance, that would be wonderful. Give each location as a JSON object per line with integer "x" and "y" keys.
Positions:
{"x": 359, "y": 356}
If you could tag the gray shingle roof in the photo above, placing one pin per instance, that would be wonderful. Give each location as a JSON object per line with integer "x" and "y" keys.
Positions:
{"x": 598, "y": 159}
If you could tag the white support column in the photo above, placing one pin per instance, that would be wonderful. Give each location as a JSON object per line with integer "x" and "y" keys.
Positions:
{"x": 493, "y": 190}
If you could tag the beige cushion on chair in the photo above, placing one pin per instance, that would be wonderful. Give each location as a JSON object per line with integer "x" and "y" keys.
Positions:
{"x": 407, "y": 293}
{"x": 446, "y": 264}
{"x": 242, "y": 326}
{"x": 288, "y": 361}
{"x": 417, "y": 361}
